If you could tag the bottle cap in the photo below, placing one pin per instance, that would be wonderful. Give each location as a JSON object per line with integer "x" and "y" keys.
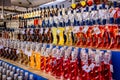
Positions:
{"x": 52, "y": 6}
{"x": 115, "y": 4}
{"x": 111, "y": 21}
{"x": 63, "y": 5}
{"x": 98, "y": 21}
{"x": 104, "y": 21}
{"x": 60, "y": 12}
{"x": 95, "y": 7}
{"x": 87, "y": 9}
{"x": 56, "y": 6}
{"x": 103, "y": 6}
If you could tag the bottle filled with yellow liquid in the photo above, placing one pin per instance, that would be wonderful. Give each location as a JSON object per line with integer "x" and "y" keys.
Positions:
{"x": 38, "y": 56}
{"x": 32, "y": 56}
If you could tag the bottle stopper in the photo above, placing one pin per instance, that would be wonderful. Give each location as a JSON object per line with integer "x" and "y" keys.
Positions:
{"x": 20, "y": 78}
{"x": 4, "y": 77}
{"x": 9, "y": 78}
{"x": 3, "y": 71}
{"x": 8, "y": 72}
{"x": 31, "y": 77}
{"x": 15, "y": 76}
{"x": 21, "y": 72}
{"x": 11, "y": 74}
{"x": 26, "y": 76}
{"x": 18, "y": 71}
{"x": 13, "y": 69}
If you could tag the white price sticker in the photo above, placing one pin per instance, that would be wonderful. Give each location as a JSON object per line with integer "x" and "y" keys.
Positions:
{"x": 85, "y": 29}
{"x": 97, "y": 30}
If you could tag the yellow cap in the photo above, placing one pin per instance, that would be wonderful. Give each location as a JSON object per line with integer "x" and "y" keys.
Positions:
{"x": 73, "y": 5}
{"x": 83, "y": 3}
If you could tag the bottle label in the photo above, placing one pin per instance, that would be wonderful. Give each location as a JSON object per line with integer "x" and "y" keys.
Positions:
{"x": 113, "y": 13}
{"x": 85, "y": 29}
{"x": 97, "y": 30}
{"x": 94, "y": 15}
{"x": 56, "y": 19}
{"x": 66, "y": 18}
{"x": 51, "y": 20}
{"x": 75, "y": 29}
{"x": 71, "y": 17}
{"x": 86, "y": 16}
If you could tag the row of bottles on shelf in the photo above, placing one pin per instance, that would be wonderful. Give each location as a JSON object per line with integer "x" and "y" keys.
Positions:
{"x": 9, "y": 72}
{"x": 96, "y": 35}
{"x": 67, "y": 17}
{"x": 63, "y": 62}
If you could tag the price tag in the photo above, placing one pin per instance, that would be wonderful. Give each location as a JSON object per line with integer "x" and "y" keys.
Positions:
{"x": 75, "y": 29}
{"x": 92, "y": 66}
{"x": 71, "y": 17}
{"x": 41, "y": 30}
{"x": 85, "y": 29}
{"x": 111, "y": 68}
{"x": 112, "y": 13}
{"x": 97, "y": 30}
{"x": 85, "y": 15}
{"x": 66, "y": 18}
{"x": 86, "y": 68}
{"x": 58, "y": 31}
{"x": 51, "y": 20}
{"x": 46, "y": 30}
{"x": 55, "y": 19}
{"x": 18, "y": 52}
{"x": 29, "y": 53}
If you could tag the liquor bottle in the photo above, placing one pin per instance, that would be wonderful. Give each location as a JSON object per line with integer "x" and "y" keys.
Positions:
{"x": 40, "y": 17}
{"x": 27, "y": 54}
{"x": 96, "y": 68}
{"x": 53, "y": 61}
{"x": 84, "y": 74}
{"x": 40, "y": 35}
{"x": 66, "y": 63}
{"x": 48, "y": 59}
{"x": 43, "y": 61}
{"x": 38, "y": 56}
{"x": 59, "y": 63}
{"x": 60, "y": 29}
{"x": 32, "y": 56}
{"x": 54, "y": 33}
{"x": 108, "y": 69}
{"x": 14, "y": 51}
{"x": 74, "y": 65}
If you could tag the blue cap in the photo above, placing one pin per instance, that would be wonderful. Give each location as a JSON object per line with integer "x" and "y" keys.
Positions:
{"x": 87, "y": 22}
{"x": 98, "y": 21}
{"x": 111, "y": 21}
{"x": 115, "y": 4}
{"x": 60, "y": 12}
{"x": 87, "y": 8}
{"x": 104, "y": 21}
{"x": 56, "y": 6}
{"x": 51, "y": 14}
{"x": 103, "y": 6}
{"x": 93, "y": 22}
{"x": 52, "y": 6}
{"x": 95, "y": 7}
{"x": 72, "y": 11}
{"x": 63, "y": 5}
{"x": 118, "y": 21}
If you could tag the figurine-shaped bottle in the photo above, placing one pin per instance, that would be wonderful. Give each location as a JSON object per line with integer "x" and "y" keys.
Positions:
{"x": 32, "y": 56}
{"x": 38, "y": 56}
{"x": 74, "y": 65}
{"x": 66, "y": 63}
